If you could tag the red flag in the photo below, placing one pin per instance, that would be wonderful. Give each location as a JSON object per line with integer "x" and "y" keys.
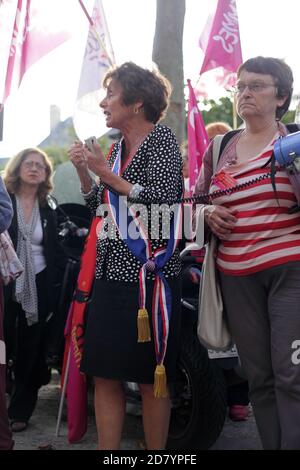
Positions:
{"x": 220, "y": 39}
{"x": 34, "y": 35}
{"x": 76, "y": 390}
{"x": 197, "y": 138}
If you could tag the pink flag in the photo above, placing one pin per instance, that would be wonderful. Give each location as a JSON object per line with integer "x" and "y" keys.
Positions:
{"x": 197, "y": 138}
{"x": 225, "y": 79}
{"x": 88, "y": 118}
{"x": 35, "y": 33}
{"x": 220, "y": 40}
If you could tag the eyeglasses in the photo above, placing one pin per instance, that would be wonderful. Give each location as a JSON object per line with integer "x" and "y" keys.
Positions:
{"x": 28, "y": 164}
{"x": 254, "y": 87}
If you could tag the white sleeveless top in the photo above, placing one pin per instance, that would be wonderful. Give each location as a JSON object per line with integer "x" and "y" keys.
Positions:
{"x": 39, "y": 259}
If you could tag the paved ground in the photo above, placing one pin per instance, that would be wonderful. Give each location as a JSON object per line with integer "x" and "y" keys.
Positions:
{"x": 42, "y": 426}
{"x": 239, "y": 436}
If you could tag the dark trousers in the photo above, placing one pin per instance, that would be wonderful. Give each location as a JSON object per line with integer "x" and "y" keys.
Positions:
{"x": 6, "y": 442}
{"x": 238, "y": 394}
{"x": 27, "y": 347}
{"x": 264, "y": 317}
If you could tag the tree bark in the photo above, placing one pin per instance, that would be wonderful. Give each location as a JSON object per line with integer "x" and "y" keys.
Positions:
{"x": 167, "y": 54}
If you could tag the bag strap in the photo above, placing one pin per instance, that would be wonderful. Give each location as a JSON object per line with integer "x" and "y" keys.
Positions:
{"x": 200, "y": 236}
{"x": 219, "y": 144}
{"x": 226, "y": 138}
{"x": 216, "y": 150}
{"x": 292, "y": 127}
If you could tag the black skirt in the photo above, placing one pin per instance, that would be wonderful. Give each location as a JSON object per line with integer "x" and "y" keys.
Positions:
{"x": 111, "y": 349}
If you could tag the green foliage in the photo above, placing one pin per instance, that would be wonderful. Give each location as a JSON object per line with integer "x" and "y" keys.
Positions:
{"x": 72, "y": 133}
{"x": 105, "y": 144}
{"x": 221, "y": 110}
{"x": 289, "y": 117}
{"x": 57, "y": 155}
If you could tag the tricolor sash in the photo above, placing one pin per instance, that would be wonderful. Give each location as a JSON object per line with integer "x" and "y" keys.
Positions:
{"x": 153, "y": 261}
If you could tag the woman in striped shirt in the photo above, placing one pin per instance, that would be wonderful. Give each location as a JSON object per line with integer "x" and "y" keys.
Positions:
{"x": 259, "y": 250}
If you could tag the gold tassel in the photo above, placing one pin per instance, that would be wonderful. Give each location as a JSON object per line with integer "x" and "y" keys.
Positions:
{"x": 143, "y": 326}
{"x": 160, "y": 382}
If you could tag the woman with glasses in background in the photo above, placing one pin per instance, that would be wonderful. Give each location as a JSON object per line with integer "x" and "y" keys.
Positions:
{"x": 29, "y": 301}
{"x": 258, "y": 258}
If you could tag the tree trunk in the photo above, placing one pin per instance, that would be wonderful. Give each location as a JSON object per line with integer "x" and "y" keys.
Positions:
{"x": 167, "y": 54}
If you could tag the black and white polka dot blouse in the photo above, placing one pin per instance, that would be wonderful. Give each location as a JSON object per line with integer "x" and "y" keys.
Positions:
{"x": 157, "y": 167}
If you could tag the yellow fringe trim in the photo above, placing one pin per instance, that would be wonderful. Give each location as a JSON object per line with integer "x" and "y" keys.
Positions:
{"x": 160, "y": 382}
{"x": 143, "y": 326}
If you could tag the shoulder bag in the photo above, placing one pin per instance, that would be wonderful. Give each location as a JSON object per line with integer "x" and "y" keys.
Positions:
{"x": 212, "y": 327}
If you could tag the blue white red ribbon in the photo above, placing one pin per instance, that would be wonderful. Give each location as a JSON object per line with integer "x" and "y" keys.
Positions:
{"x": 151, "y": 261}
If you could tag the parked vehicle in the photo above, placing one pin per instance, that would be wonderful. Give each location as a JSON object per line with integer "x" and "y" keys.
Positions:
{"x": 73, "y": 225}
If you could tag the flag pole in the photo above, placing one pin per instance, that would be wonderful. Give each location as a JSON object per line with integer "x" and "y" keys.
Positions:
{"x": 107, "y": 31}
{"x": 234, "y": 113}
{"x": 101, "y": 43}
{"x": 63, "y": 394}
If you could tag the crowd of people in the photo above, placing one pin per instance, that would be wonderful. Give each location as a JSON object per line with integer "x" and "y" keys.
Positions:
{"x": 134, "y": 336}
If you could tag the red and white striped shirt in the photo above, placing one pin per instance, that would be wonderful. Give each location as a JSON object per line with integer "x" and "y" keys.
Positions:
{"x": 265, "y": 234}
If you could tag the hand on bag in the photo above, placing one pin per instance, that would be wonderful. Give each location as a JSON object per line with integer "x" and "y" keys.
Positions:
{"x": 220, "y": 220}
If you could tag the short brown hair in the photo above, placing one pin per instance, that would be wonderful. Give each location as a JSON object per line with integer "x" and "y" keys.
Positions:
{"x": 280, "y": 71}
{"x": 216, "y": 128}
{"x": 12, "y": 173}
{"x": 153, "y": 88}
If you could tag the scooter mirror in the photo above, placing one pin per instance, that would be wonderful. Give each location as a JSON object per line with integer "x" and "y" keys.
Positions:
{"x": 190, "y": 247}
{"x": 52, "y": 201}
